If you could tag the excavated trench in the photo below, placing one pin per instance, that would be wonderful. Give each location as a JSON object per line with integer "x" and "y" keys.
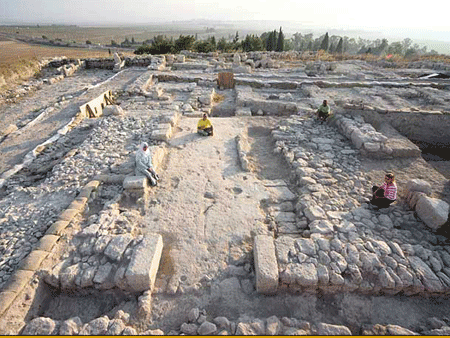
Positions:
{"x": 170, "y": 311}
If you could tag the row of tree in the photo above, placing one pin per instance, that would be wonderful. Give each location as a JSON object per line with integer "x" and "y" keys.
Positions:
{"x": 276, "y": 41}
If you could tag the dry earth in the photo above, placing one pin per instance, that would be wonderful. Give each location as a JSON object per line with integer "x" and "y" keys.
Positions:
{"x": 206, "y": 208}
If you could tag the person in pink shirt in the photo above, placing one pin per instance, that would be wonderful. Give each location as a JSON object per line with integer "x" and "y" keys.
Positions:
{"x": 385, "y": 194}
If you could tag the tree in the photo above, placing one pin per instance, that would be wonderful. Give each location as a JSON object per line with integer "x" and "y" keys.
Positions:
{"x": 325, "y": 42}
{"x": 252, "y": 43}
{"x": 203, "y": 47}
{"x": 132, "y": 40}
{"x": 184, "y": 43}
{"x": 212, "y": 41}
{"x": 274, "y": 40}
{"x": 236, "y": 38}
{"x": 88, "y": 42}
{"x": 160, "y": 45}
{"x": 340, "y": 46}
{"x": 280, "y": 42}
{"x": 224, "y": 46}
{"x": 269, "y": 42}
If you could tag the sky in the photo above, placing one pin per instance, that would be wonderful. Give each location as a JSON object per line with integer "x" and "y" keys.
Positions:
{"x": 429, "y": 20}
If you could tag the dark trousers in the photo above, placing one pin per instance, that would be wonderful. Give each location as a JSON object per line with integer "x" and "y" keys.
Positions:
{"x": 381, "y": 201}
{"x": 208, "y": 131}
{"x": 323, "y": 116}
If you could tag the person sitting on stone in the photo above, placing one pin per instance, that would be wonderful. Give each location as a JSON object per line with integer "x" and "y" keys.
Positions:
{"x": 323, "y": 112}
{"x": 204, "y": 126}
{"x": 144, "y": 165}
{"x": 386, "y": 194}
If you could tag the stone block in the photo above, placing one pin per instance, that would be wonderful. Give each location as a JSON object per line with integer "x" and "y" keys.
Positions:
{"x": 433, "y": 212}
{"x": 158, "y": 154}
{"x": 246, "y": 69}
{"x": 33, "y": 261}
{"x": 18, "y": 281}
{"x": 57, "y": 228}
{"x": 117, "y": 246}
{"x": 243, "y": 112}
{"x": 266, "y": 266}
{"x": 163, "y": 132}
{"x": 357, "y": 138}
{"x": 314, "y": 212}
{"x": 372, "y": 147}
{"x": 68, "y": 215}
{"x": 419, "y": 185}
{"x": 141, "y": 272}
{"x": 78, "y": 204}
{"x": 135, "y": 183}
{"x": 6, "y": 299}
{"x": 415, "y": 196}
{"x": 47, "y": 243}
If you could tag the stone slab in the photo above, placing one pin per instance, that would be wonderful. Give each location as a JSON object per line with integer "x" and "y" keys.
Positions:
{"x": 117, "y": 246}
{"x": 18, "y": 281}
{"x": 6, "y": 299}
{"x": 47, "y": 243}
{"x": 266, "y": 266}
{"x": 68, "y": 214}
{"x": 144, "y": 264}
{"x": 33, "y": 261}
{"x": 135, "y": 183}
{"x": 57, "y": 228}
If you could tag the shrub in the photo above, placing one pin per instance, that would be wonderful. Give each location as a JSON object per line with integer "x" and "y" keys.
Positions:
{"x": 203, "y": 47}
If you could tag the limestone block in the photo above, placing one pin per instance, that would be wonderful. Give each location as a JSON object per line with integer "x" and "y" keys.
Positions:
{"x": 433, "y": 212}
{"x": 358, "y": 138}
{"x": 6, "y": 299}
{"x": 114, "y": 110}
{"x": 266, "y": 266}
{"x": 18, "y": 281}
{"x": 243, "y": 112}
{"x": 181, "y": 58}
{"x": 158, "y": 154}
{"x": 40, "y": 326}
{"x": 33, "y": 261}
{"x": 324, "y": 329}
{"x": 141, "y": 272}
{"x": 117, "y": 246}
{"x": 135, "y": 183}
{"x": 244, "y": 69}
{"x": 68, "y": 214}
{"x": 372, "y": 146}
{"x": 415, "y": 196}
{"x": 47, "y": 242}
{"x": 418, "y": 185}
{"x": 306, "y": 275}
{"x": 102, "y": 275}
{"x": 430, "y": 281}
{"x": 163, "y": 132}
{"x": 314, "y": 212}
{"x": 57, "y": 228}
{"x": 321, "y": 226}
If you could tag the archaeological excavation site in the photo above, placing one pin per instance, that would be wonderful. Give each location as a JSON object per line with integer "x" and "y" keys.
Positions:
{"x": 261, "y": 229}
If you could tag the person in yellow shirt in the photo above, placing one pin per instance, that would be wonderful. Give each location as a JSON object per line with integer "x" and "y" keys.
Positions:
{"x": 204, "y": 126}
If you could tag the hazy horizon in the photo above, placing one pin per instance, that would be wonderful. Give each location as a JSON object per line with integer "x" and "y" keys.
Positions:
{"x": 389, "y": 19}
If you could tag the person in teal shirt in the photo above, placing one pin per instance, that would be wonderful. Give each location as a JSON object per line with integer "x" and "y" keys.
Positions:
{"x": 323, "y": 111}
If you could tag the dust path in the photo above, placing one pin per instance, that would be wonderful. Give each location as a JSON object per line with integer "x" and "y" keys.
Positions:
{"x": 205, "y": 204}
